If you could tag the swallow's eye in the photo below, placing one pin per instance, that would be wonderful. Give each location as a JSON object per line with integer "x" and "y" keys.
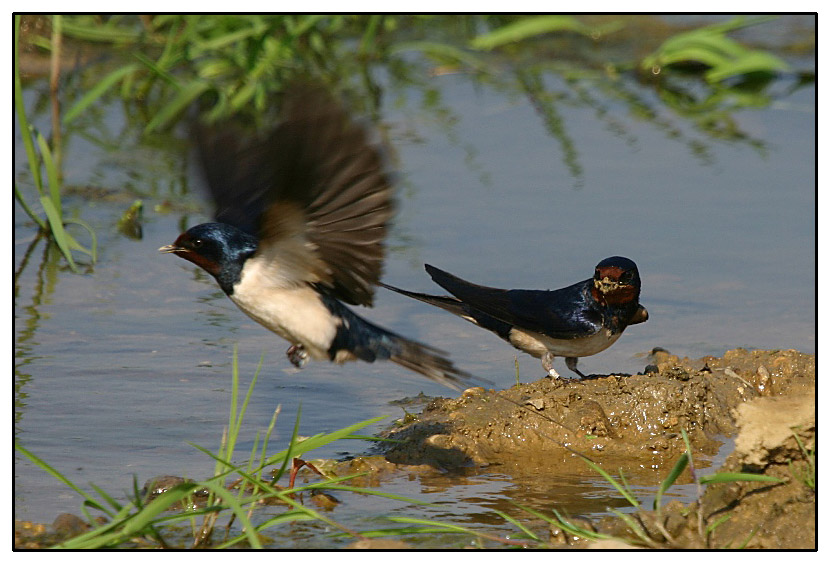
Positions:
{"x": 196, "y": 243}
{"x": 627, "y": 277}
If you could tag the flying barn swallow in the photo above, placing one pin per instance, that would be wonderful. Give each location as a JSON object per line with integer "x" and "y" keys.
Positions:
{"x": 579, "y": 320}
{"x": 301, "y": 217}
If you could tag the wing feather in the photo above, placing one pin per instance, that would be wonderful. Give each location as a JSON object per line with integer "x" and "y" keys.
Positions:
{"x": 314, "y": 191}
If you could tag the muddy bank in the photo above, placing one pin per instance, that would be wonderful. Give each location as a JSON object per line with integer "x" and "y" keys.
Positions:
{"x": 762, "y": 399}
{"x": 622, "y": 420}
{"x": 741, "y": 514}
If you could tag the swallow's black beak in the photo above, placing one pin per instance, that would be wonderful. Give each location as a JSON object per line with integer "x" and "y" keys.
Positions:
{"x": 172, "y": 249}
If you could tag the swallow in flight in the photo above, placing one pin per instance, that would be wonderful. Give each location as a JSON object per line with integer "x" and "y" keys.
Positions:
{"x": 301, "y": 218}
{"x": 578, "y": 320}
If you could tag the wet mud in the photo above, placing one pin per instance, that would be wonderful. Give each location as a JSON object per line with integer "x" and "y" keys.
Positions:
{"x": 764, "y": 399}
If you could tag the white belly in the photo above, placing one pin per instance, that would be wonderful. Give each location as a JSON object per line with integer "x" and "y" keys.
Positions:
{"x": 537, "y": 344}
{"x": 295, "y": 313}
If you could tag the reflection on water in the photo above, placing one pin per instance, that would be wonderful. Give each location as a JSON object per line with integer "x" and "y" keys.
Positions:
{"x": 525, "y": 181}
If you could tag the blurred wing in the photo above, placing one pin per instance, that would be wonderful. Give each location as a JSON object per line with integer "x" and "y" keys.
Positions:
{"x": 314, "y": 191}
{"x": 561, "y": 314}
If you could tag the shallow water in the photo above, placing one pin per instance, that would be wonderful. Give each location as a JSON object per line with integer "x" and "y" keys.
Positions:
{"x": 119, "y": 369}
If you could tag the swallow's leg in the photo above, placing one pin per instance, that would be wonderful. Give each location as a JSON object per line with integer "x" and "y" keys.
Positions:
{"x": 571, "y": 364}
{"x": 547, "y": 364}
{"x": 297, "y": 355}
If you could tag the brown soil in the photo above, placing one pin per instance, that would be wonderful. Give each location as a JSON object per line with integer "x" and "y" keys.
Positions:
{"x": 622, "y": 421}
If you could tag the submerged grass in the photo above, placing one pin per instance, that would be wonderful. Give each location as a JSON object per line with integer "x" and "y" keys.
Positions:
{"x": 807, "y": 476}
{"x": 144, "y": 522}
{"x": 641, "y": 534}
{"x": 39, "y": 155}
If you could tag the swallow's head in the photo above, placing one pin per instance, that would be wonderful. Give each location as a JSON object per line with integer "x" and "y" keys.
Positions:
{"x": 616, "y": 282}
{"x": 218, "y": 248}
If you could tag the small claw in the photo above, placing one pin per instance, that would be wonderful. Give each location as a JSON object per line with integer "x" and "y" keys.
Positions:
{"x": 297, "y": 355}
{"x": 571, "y": 364}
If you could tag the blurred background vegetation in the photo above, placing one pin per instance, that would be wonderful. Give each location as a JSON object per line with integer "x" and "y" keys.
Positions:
{"x": 667, "y": 73}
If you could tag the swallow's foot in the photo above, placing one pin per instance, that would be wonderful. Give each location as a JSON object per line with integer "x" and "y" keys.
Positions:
{"x": 297, "y": 355}
{"x": 547, "y": 364}
{"x": 570, "y": 362}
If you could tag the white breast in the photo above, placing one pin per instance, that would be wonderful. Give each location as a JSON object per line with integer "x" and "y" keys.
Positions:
{"x": 293, "y": 312}
{"x": 537, "y": 344}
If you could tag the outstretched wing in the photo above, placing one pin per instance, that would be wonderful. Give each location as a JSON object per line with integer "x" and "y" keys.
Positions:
{"x": 314, "y": 191}
{"x": 561, "y": 314}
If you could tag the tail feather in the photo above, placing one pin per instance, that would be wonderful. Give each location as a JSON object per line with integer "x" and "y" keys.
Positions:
{"x": 428, "y": 361}
{"x": 459, "y": 308}
{"x": 448, "y": 303}
{"x": 366, "y": 341}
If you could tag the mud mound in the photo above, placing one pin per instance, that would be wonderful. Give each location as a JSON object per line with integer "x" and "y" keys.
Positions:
{"x": 629, "y": 421}
{"x": 764, "y": 398}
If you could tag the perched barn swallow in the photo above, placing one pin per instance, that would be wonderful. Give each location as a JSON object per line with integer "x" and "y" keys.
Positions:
{"x": 579, "y": 320}
{"x": 301, "y": 217}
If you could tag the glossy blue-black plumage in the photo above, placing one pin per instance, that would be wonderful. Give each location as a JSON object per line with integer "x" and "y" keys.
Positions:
{"x": 566, "y": 313}
{"x": 577, "y": 320}
{"x": 220, "y": 249}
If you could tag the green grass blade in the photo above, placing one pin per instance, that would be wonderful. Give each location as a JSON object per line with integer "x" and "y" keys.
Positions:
{"x": 249, "y": 394}
{"x": 163, "y": 502}
{"x": 528, "y": 27}
{"x": 289, "y": 452}
{"x": 717, "y": 523}
{"x": 400, "y": 531}
{"x": 437, "y": 524}
{"x": 635, "y": 528}
{"x": 239, "y": 511}
{"x": 723, "y": 477}
{"x": 101, "y": 33}
{"x": 333, "y": 485}
{"x": 103, "y": 536}
{"x": 442, "y": 50}
{"x": 744, "y": 544}
{"x": 51, "y": 173}
{"x": 60, "y": 236}
{"x": 751, "y": 62}
{"x": 93, "y": 250}
{"x": 97, "y": 91}
{"x": 264, "y": 454}
{"x": 669, "y": 481}
{"x": 323, "y": 439}
{"x": 563, "y": 523}
{"x": 182, "y": 100}
{"x": 20, "y": 110}
{"x": 61, "y": 478}
{"x": 517, "y": 524}
{"x": 36, "y": 218}
{"x": 107, "y": 497}
{"x": 623, "y": 491}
